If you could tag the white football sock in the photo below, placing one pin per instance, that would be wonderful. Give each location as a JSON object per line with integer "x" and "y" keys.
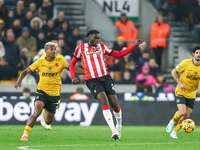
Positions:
{"x": 118, "y": 117}
{"x": 109, "y": 119}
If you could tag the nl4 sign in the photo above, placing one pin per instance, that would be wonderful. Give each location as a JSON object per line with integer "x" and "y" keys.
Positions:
{"x": 113, "y": 8}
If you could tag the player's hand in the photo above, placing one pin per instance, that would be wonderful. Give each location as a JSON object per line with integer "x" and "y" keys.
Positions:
{"x": 17, "y": 84}
{"x": 75, "y": 80}
{"x": 139, "y": 41}
{"x": 182, "y": 86}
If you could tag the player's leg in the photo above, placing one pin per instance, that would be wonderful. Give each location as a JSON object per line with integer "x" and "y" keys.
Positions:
{"x": 103, "y": 100}
{"x": 48, "y": 117}
{"x": 185, "y": 115}
{"x": 117, "y": 112}
{"x": 181, "y": 104}
{"x": 110, "y": 92}
{"x": 39, "y": 105}
{"x": 98, "y": 91}
{"x": 181, "y": 113}
{"x": 184, "y": 110}
{"x": 42, "y": 121}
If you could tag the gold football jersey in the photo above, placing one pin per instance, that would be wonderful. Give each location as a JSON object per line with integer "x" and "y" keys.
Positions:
{"x": 50, "y": 74}
{"x": 190, "y": 75}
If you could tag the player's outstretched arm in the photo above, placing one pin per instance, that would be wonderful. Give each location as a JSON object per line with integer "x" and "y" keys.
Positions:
{"x": 77, "y": 70}
{"x": 126, "y": 51}
{"x": 21, "y": 76}
{"x": 175, "y": 76}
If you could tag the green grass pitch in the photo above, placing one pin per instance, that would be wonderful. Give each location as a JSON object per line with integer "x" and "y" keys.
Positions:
{"x": 63, "y": 137}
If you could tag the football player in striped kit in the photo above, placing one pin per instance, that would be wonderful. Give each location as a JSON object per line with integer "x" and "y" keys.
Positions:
{"x": 97, "y": 77}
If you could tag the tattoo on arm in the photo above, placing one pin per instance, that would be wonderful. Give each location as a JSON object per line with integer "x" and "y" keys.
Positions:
{"x": 23, "y": 74}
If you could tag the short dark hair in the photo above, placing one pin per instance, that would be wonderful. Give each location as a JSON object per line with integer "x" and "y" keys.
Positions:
{"x": 27, "y": 90}
{"x": 92, "y": 32}
{"x": 196, "y": 48}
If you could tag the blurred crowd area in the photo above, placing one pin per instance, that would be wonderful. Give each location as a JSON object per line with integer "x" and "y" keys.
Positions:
{"x": 26, "y": 25}
{"x": 181, "y": 10}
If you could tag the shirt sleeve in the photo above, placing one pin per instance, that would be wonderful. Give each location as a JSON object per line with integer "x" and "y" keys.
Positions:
{"x": 34, "y": 65}
{"x": 180, "y": 67}
{"x": 65, "y": 64}
{"x": 77, "y": 52}
{"x": 108, "y": 50}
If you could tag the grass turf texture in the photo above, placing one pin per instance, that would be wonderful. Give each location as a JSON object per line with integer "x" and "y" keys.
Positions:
{"x": 96, "y": 137}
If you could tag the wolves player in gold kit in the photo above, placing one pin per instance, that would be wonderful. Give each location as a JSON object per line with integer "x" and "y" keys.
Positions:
{"x": 186, "y": 90}
{"x": 48, "y": 89}
{"x": 42, "y": 121}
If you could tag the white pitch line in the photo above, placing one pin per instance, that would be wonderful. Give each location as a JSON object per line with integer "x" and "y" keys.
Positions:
{"x": 30, "y": 147}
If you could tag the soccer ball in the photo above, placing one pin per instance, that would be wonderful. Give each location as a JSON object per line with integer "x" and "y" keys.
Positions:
{"x": 188, "y": 125}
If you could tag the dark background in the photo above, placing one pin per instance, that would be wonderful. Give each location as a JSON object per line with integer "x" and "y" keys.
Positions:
{"x": 134, "y": 112}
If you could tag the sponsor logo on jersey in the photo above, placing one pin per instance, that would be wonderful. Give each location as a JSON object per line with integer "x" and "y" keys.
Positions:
{"x": 192, "y": 77}
{"x": 49, "y": 74}
{"x": 93, "y": 52}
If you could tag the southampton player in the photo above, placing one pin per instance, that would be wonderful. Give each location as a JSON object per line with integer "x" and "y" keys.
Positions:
{"x": 97, "y": 77}
{"x": 186, "y": 90}
{"x": 48, "y": 89}
{"x": 42, "y": 121}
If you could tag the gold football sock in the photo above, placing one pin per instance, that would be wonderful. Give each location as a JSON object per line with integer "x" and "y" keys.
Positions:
{"x": 178, "y": 126}
{"x": 27, "y": 130}
{"x": 176, "y": 117}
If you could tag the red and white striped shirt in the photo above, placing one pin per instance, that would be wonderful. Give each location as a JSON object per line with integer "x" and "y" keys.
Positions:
{"x": 93, "y": 59}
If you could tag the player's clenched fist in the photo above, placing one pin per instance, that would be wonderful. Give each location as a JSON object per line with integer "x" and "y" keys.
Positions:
{"x": 139, "y": 41}
{"x": 75, "y": 80}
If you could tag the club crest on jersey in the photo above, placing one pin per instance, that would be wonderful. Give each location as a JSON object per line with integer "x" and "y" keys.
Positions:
{"x": 178, "y": 101}
{"x": 50, "y": 68}
{"x": 37, "y": 97}
{"x": 56, "y": 64}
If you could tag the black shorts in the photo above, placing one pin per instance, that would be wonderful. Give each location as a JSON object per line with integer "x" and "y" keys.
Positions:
{"x": 50, "y": 102}
{"x": 187, "y": 101}
{"x": 104, "y": 83}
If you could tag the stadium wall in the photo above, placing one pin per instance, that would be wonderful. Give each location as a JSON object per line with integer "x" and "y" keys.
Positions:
{"x": 96, "y": 18}
{"x": 155, "y": 110}
{"x": 147, "y": 15}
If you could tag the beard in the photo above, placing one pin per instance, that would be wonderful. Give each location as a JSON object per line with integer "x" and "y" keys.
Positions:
{"x": 197, "y": 59}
